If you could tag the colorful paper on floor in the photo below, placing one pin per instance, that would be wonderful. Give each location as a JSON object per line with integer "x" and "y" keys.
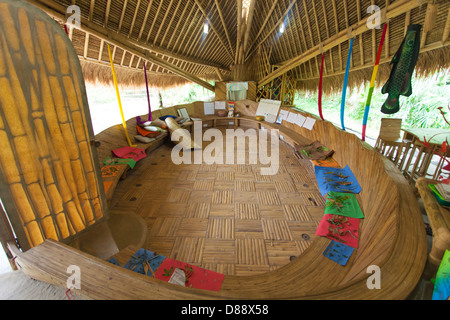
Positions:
{"x": 107, "y": 185}
{"x": 344, "y": 204}
{"x": 130, "y": 153}
{"x": 442, "y": 283}
{"x": 114, "y": 261}
{"x": 338, "y": 252}
{"x": 144, "y": 262}
{"x": 109, "y": 161}
{"x": 328, "y": 162}
{"x": 110, "y": 171}
{"x": 342, "y": 229}
{"x": 336, "y": 179}
{"x": 196, "y": 277}
{"x": 314, "y": 151}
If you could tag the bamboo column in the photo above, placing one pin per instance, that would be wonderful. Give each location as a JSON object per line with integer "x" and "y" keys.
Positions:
{"x": 49, "y": 182}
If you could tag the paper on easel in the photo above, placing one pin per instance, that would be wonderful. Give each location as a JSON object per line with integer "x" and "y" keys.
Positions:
{"x": 269, "y": 109}
{"x": 309, "y": 123}
{"x": 209, "y": 108}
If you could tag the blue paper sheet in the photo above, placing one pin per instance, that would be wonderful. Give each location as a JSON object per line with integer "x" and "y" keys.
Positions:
{"x": 337, "y": 180}
{"x": 114, "y": 261}
{"x": 442, "y": 283}
{"x": 142, "y": 259}
{"x": 338, "y": 252}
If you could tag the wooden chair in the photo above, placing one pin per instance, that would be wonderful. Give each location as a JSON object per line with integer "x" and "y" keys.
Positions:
{"x": 390, "y": 142}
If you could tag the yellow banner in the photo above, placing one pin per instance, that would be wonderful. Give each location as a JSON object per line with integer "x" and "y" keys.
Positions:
{"x": 118, "y": 98}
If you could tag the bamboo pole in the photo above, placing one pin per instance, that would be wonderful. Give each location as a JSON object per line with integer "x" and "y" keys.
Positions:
{"x": 239, "y": 27}
{"x": 249, "y": 23}
{"x": 446, "y": 29}
{"x": 223, "y": 23}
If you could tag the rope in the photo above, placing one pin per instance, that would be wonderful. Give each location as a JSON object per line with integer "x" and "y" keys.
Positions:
{"x": 372, "y": 84}
{"x": 320, "y": 87}
{"x": 344, "y": 91}
{"x": 118, "y": 98}
{"x": 67, "y": 294}
{"x": 148, "y": 95}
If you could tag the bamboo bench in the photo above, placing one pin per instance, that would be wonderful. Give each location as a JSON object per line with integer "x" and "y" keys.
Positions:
{"x": 392, "y": 237}
{"x": 114, "y": 138}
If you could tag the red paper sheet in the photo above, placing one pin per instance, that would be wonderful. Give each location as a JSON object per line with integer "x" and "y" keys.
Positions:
{"x": 340, "y": 228}
{"x": 199, "y": 278}
{"x": 130, "y": 153}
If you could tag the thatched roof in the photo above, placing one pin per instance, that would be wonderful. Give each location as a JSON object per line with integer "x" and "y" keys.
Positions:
{"x": 169, "y": 36}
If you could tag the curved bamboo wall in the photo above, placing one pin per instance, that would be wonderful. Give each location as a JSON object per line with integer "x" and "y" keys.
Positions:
{"x": 49, "y": 181}
{"x": 392, "y": 237}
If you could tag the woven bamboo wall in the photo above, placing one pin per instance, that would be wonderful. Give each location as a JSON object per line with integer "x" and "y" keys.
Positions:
{"x": 49, "y": 181}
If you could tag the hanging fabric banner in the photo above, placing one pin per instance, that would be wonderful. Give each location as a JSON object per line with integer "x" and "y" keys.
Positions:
{"x": 372, "y": 84}
{"x": 344, "y": 91}
{"x": 148, "y": 95}
{"x": 118, "y": 98}
{"x": 320, "y": 87}
{"x": 138, "y": 118}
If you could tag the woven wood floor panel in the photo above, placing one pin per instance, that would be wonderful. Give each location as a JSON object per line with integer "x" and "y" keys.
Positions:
{"x": 226, "y": 218}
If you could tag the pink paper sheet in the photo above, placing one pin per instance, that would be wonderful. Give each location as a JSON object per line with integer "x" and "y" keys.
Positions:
{"x": 130, "y": 153}
{"x": 340, "y": 228}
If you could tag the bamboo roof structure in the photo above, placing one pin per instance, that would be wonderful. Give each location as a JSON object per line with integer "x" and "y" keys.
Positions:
{"x": 266, "y": 39}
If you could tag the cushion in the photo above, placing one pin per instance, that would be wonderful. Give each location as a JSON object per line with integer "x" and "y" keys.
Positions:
{"x": 163, "y": 118}
{"x": 157, "y": 123}
{"x": 149, "y": 134}
{"x": 143, "y": 139}
{"x": 154, "y": 129}
{"x": 186, "y": 142}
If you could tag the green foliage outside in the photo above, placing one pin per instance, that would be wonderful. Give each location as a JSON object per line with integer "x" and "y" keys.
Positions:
{"x": 104, "y": 107}
{"x": 420, "y": 110}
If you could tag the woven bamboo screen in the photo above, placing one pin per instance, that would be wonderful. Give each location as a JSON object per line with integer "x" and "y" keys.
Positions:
{"x": 49, "y": 182}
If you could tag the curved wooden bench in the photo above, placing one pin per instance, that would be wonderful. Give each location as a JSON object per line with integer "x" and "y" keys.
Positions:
{"x": 392, "y": 237}
{"x": 114, "y": 138}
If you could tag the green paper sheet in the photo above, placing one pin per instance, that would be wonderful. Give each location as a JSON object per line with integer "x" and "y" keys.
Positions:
{"x": 109, "y": 161}
{"x": 442, "y": 283}
{"x": 344, "y": 204}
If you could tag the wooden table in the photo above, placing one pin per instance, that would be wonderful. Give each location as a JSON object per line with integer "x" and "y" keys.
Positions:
{"x": 421, "y": 154}
{"x": 439, "y": 218}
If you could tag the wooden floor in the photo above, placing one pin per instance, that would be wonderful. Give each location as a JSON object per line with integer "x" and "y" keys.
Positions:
{"x": 225, "y": 218}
